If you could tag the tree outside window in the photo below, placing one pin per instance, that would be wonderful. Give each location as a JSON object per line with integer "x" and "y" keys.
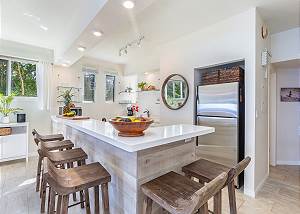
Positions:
{"x": 110, "y": 88}
{"x": 23, "y": 79}
{"x": 22, "y": 76}
{"x": 3, "y": 76}
{"x": 89, "y": 87}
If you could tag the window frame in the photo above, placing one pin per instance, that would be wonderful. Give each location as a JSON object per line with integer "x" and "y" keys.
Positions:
{"x": 93, "y": 72}
{"x": 114, "y": 88}
{"x": 173, "y": 82}
{"x": 9, "y": 76}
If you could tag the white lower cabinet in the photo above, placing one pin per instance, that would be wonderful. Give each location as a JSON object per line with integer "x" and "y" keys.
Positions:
{"x": 14, "y": 146}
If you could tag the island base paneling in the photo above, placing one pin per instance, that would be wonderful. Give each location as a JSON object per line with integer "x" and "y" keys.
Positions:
{"x": 129, "y": 170}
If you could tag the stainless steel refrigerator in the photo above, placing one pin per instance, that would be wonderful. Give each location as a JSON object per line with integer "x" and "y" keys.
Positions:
{"x": 218, "y": 106}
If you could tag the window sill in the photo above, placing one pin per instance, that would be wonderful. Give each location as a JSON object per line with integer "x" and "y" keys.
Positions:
{"x": 26, "y": 99}
{"x": 88, "y": 102}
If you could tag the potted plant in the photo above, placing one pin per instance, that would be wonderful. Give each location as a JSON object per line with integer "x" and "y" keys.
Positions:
{"x": 5, "y": 109}
{"x": 67, "y": 99}
{"x": 142, "y": 85}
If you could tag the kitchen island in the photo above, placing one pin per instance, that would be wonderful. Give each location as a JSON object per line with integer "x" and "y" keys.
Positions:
{"x": 134, "y": 161}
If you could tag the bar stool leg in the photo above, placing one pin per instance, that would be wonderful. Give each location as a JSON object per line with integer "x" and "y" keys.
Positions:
{"x": 70, "y": 165}
{"x": 43, "y": 198}
{"x": 105, "y": 198}
{"x": 65, "y": 204}
{"x": 96, "y": 193}
{"x": 49, "y": 194}
{"x": 218, "y": 203}
{"x": 204, "y": 209}
{"x": 38, "y": 174}
{"x": 81, "y": 192}
{"x": 52, "y": 201}
{"x": 232, "y": 198}
{"x": 87, "y": 201}
{"x": 58, "y": 208}
{"x": 147, "y": 208}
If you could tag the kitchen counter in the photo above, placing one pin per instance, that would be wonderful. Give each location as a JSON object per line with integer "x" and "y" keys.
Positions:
{"x": 134, "y": 161}
{"x": 154, "y": 136}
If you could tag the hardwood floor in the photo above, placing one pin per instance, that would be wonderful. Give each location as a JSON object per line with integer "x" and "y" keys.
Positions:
{"x": 279, "y": 195}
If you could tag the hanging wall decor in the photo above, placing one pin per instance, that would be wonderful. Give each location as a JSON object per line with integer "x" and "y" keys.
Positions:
{"x": 290, "y": 95}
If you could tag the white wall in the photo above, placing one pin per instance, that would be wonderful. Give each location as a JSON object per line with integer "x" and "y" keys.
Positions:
{"x": 39, "y": 119}
{"x": 72, "y": 77}
{"x": 229, "y": 40}
{"x": 288, "y": 117}
{"x": 261, "y": 109}
{"x": 286, "y": 45}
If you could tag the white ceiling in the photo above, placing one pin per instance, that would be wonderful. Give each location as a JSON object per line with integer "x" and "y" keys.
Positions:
{"x": 166, "y": 20}
{"x": 70, "y": 22}
{"x": 23, "y": 20}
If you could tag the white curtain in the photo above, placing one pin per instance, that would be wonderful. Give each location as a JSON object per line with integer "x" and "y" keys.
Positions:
{"x": 44, "y": 79}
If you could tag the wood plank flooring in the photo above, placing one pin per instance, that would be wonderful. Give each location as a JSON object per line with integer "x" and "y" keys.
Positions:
{"x": 279, "y": 195}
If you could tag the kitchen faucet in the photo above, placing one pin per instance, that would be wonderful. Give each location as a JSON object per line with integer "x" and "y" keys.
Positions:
{"x": 148, "y": 112}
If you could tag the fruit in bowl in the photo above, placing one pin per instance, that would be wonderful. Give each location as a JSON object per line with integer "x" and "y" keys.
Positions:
{"x": 70, "y": 114}
{"x": 131, "y": 126}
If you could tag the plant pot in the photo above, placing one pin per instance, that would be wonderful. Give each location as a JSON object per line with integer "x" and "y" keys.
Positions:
{"x": 5, "y": 119}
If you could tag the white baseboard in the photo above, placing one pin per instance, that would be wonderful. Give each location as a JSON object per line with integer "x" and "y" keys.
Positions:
{"x": 249, "y": 193}
{"x": 295, "y": 163}
{"x": 260, "y": 185}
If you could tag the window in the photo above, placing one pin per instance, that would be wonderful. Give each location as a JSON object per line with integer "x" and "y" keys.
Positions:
{"x": 3, "y": 76}
{"x": 18, "y": 77}
{"x": 89, "y": 87}
{"x": 110, "y": 88}
{"x": 175, "y": 89}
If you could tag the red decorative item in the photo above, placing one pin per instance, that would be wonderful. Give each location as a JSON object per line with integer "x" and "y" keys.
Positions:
{"x": 135, "y": 108}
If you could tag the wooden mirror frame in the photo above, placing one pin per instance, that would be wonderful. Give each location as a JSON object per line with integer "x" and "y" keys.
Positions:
{"x": 163, "y": 91}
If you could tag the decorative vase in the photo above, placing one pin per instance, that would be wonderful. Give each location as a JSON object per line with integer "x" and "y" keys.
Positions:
{"x": 5, "y": 119}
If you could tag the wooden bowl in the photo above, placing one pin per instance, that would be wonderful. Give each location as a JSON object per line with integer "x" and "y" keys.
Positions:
{"x": 131, "y": 129}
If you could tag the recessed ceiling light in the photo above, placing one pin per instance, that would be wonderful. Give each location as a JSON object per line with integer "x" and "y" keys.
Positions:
{"x": 65, "y": 65}
{"x": 43, "y": 27}
{"x": 128, "y": 4}
{"x": 81, "y": 48}
{"x": 97, "y": 33}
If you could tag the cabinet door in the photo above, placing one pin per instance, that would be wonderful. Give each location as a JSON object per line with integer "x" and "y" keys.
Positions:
{"x": 13, "y": 146}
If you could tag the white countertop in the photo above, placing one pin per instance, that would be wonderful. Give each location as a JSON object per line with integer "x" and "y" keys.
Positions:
{"x": 13, "y": 124}
{"x": 154, "y": 136}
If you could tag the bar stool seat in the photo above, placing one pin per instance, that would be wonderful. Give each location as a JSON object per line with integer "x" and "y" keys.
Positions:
{"x": 69, "y": 181}
{"x": 180, "y": 195}
{"x": 52, "y": 137}
{"x": 58, "y": 145}
{"x": 46, "y": 138}
{"x": 67, "y": 156}
{"x": 79, "y": 178}
{"x": 206, "y": 171}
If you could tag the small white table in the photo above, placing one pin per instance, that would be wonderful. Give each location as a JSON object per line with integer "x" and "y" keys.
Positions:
{"x": 15, "y": 145}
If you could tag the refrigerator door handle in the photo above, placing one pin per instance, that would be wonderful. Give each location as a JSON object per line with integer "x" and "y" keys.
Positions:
{"x": 197, "y": 96}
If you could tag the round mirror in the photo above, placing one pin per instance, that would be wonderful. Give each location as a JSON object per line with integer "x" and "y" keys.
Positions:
{"x": 175, "y": 91}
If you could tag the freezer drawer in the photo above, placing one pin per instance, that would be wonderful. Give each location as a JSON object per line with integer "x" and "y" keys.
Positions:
{"x": 218, "y": 100}
{"x": 222, "y": 145}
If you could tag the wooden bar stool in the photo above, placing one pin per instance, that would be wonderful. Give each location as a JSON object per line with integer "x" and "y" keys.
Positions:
{"x": 206, "y": 171}
{"x": 52, "y": 143}
{"x": 59, "y": 159}
{"x": 180, "y": 195}
{"x": 67, "y": 181}
{"x": 46, "y": 138}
